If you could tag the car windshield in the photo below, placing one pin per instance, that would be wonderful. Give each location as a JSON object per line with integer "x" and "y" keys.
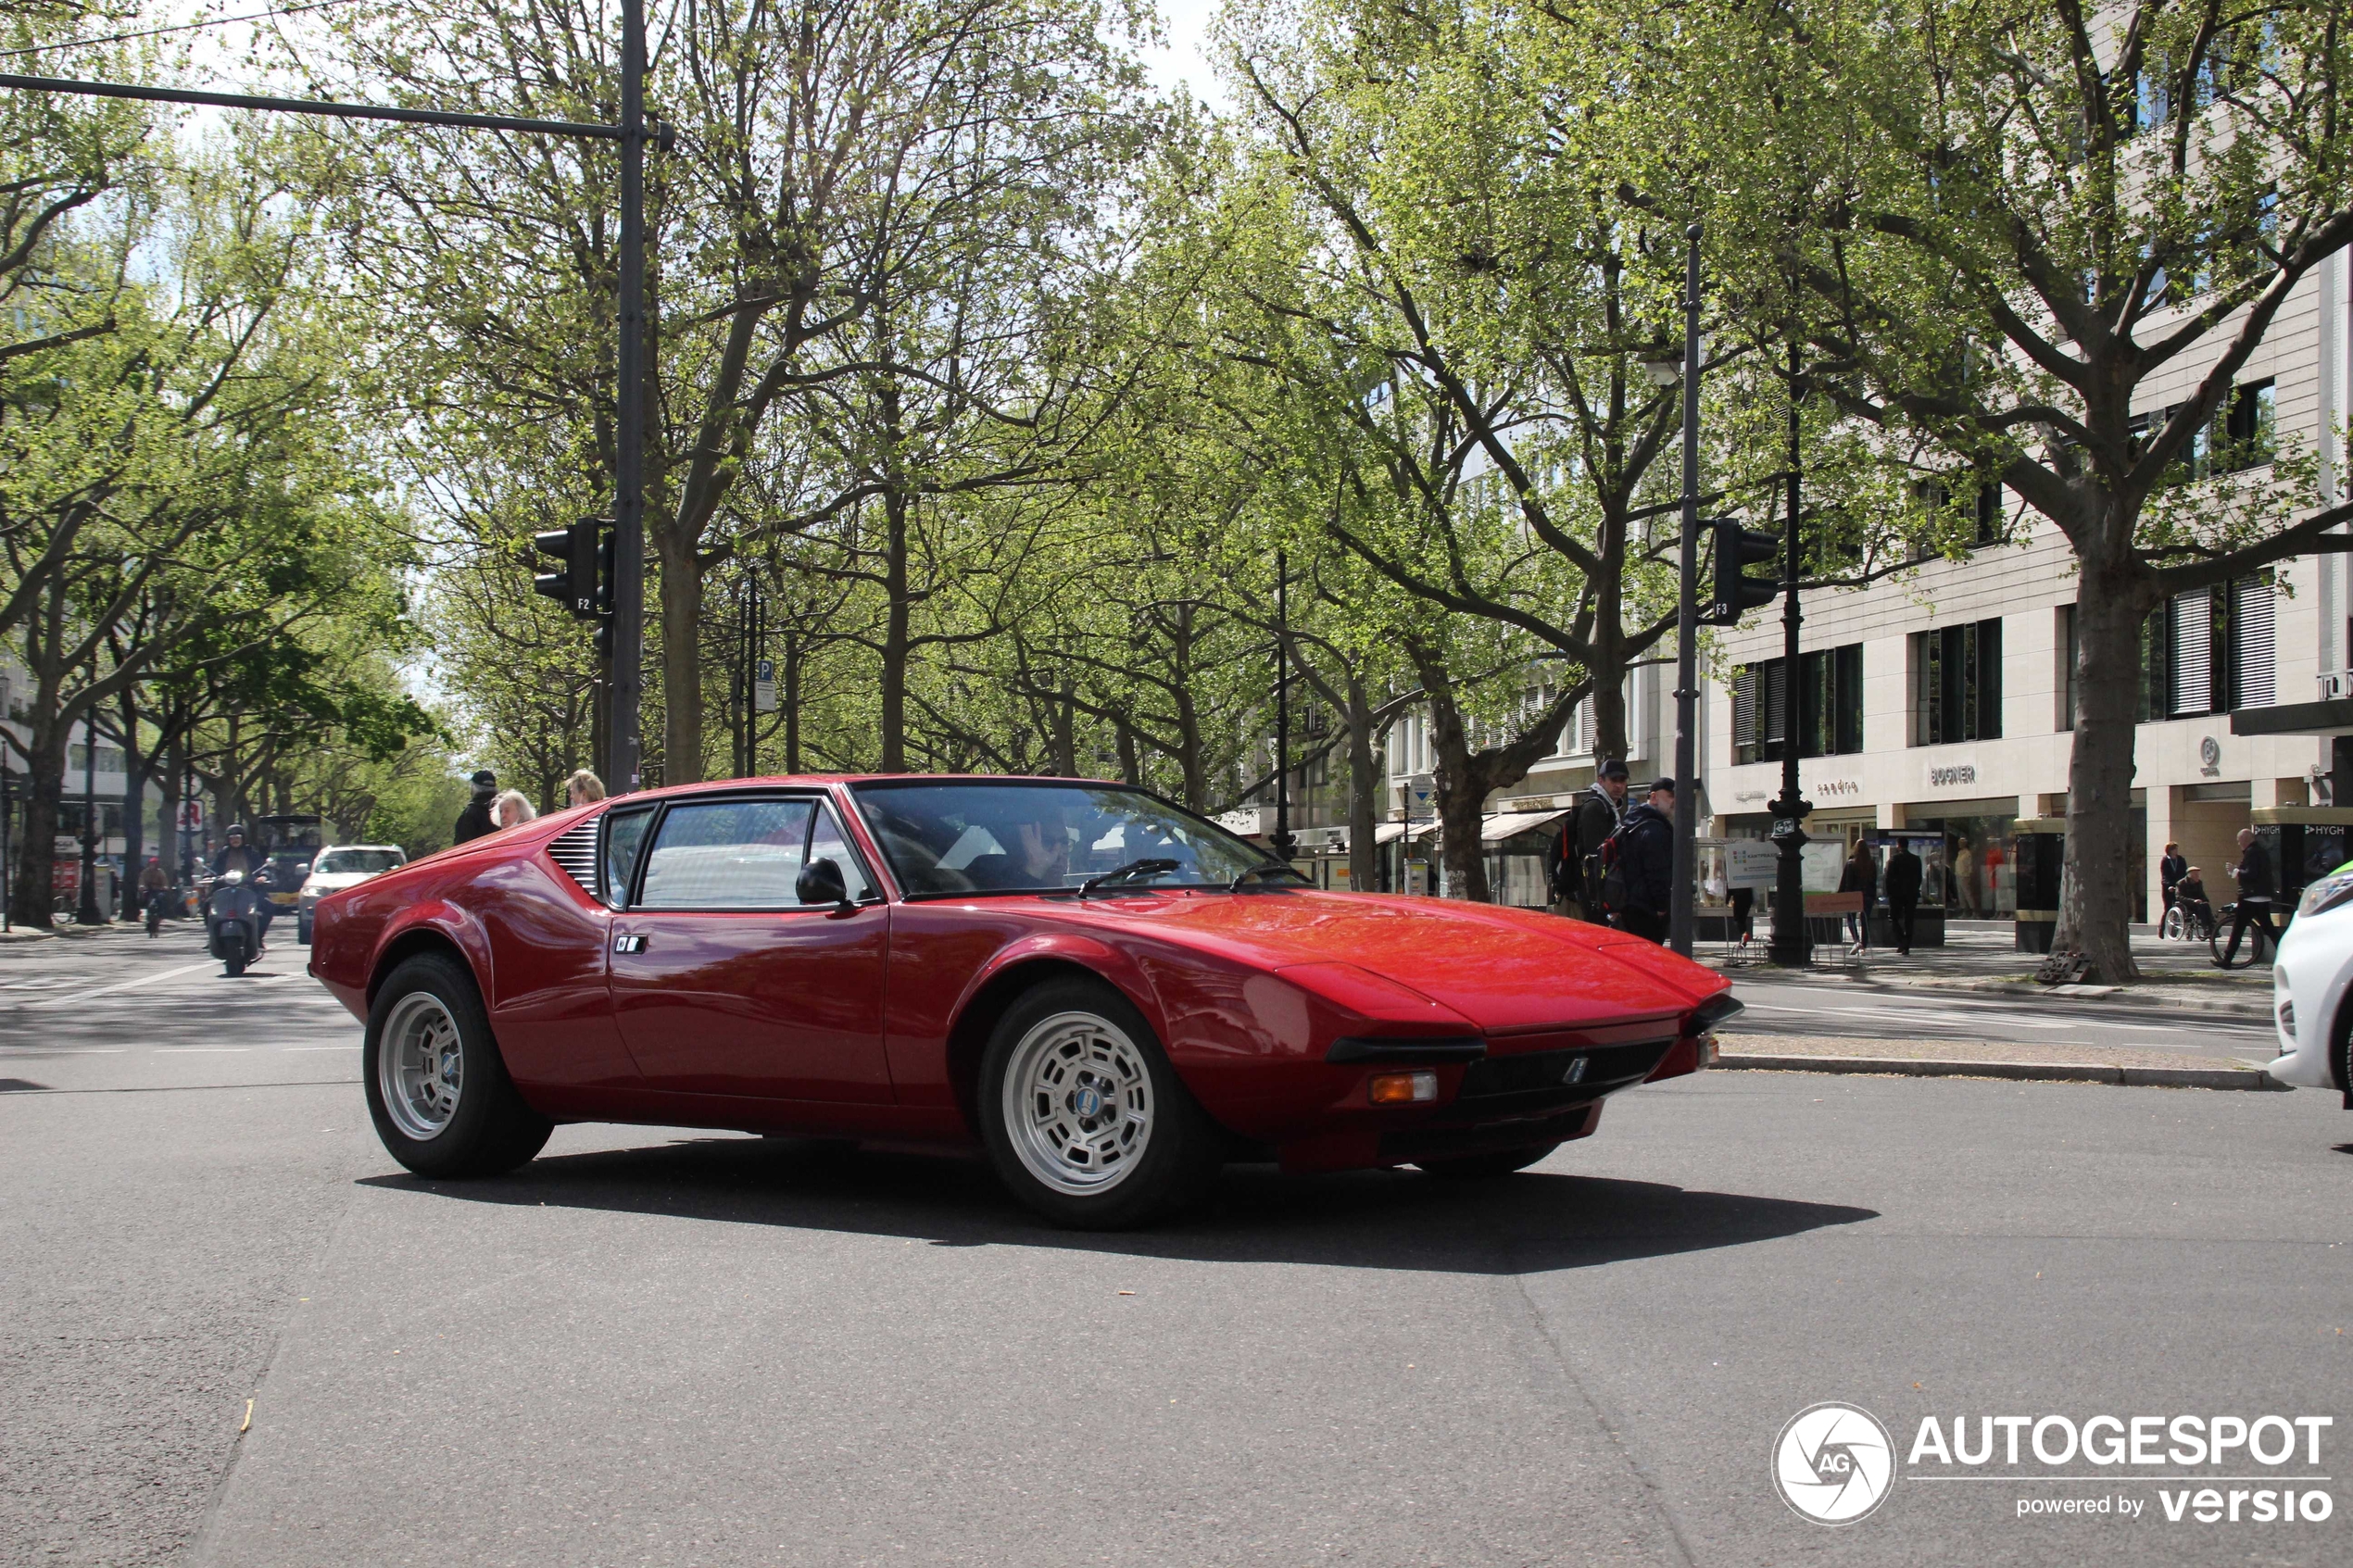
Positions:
{"x": 344, "y": 861}
{"x": 1017, "y": 837}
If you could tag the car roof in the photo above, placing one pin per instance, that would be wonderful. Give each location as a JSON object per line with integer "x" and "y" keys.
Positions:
{"x": 821, "y": 781}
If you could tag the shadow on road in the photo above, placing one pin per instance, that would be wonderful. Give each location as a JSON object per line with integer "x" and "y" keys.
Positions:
{"x": 1372, "y": 1219}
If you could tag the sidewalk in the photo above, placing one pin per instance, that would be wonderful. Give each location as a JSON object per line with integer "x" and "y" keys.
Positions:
{"x": 1982, "y": 956}
{"x": 1988, "y": 1059}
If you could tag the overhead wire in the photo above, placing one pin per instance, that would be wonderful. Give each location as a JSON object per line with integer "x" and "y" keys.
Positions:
{"x": 177, "y": 27}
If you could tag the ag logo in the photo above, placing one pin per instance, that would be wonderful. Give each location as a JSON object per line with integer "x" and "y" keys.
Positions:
{"x": 1833, "y": 1463}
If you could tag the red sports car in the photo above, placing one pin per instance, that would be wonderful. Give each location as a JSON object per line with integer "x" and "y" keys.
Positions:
{"x": 1107, "y": 993}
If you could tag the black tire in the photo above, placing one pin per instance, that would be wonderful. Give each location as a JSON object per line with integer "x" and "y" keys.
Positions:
{"x": 1105, "y": 1041}
{"x": 2253, "y": 945}
{"x": 233, "y": 955}
{"x": 489, "y": 1130}
{"x": 1484, "y": 1167}
{"x": 302, "y": 930}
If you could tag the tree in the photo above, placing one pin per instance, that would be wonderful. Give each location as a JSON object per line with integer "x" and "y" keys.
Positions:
{"x": 2017, "y": 217}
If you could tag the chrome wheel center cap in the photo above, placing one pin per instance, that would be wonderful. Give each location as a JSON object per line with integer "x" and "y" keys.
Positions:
{"x": 1088, "y": 1101}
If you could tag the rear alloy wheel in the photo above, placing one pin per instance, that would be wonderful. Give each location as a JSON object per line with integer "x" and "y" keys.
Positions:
{"x": 437, "y": 1091}
{"x": 1485, "y": 1167}
{"x": 1084, "y": 1118}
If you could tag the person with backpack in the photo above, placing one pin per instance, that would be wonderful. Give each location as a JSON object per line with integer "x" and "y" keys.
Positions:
{"x": 1638, "y": 880}
{"x": 1577, "y": 866}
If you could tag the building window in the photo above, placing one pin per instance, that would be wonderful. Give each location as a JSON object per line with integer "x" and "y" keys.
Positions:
{"x": 1957, "y": 678}
{"x": 1829, "y": 704}
{"x": 2243, "y": 434}
{"x": 2211, "y": 651}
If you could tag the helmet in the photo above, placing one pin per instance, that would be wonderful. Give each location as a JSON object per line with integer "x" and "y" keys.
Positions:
{"x": 236, "y": 830}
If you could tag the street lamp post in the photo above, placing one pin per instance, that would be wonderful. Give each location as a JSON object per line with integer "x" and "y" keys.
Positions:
{"x": 1281, "y": 838}
{"x": 87, "y": 912}
{"x": 1792, "y": 944}
{"x": 1679, "y": 914}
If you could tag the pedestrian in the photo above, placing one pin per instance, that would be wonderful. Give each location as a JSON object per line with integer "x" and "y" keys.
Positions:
{"x": 2198, "y": 910}
{"x": 1965, "y": 878}
{"x": 475, "y": 819}
{"x": 512, "y": 810}
{"x": 2170, "y": 870}
{"x": 1578, "y": 852}
{"x": 1861, "y": 875}
{"x": 1645, "y": 862}
{"x": 2257, "y": 888}
{"x": 1903, "y": 894}
{"x": 583, "y": 788}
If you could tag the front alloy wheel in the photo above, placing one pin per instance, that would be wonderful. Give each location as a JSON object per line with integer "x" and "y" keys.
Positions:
{"x": 438, "y": 1090}
{"x": 1084, "y": 1118}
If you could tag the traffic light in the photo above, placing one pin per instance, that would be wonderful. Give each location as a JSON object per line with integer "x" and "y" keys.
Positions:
{"x": 573, "y": 582}
{"x": 605, "y": 534}
{"x": 1737, "y": 549}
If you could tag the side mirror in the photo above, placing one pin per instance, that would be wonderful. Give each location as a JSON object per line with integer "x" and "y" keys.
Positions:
{"x": 821, "y": 883}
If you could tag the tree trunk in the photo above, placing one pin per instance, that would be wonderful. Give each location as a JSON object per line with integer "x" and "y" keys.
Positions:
{"x": 1063, "y": 736}
{"x": 1131, "y": 766}
{"x": 30, "y": 898}
{"x": 2095, "y": 894}
{"x": 167, "y": 828}
{"x": 896, "y": 632}
{"x": 681, "y": 657}
{"x": 1608, "y": 670}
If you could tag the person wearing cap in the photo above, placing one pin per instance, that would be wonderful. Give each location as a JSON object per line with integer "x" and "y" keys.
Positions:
{"x": 475, "y": 821}
{"x": 1646, "y": 858}
{"x": 1577, "y": 875}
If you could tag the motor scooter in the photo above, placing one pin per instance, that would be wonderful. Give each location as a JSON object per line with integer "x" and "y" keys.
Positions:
{"x": 233, "y": 920}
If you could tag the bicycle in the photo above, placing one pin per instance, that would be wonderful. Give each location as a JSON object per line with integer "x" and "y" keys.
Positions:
{"x": 2257, "y": 950}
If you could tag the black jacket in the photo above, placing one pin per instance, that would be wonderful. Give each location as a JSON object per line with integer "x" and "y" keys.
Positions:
{"x": 1860, "y": 877}
{"x": 2171, "y": 869}
{"x": 2254, "y": 874}
{"x": 1595, "y": 819}
{"x": 1646, "y": 854}
{"x": 1903, "y": 878}
{"x": 238, "y": 857}
{"x": 475, "y": 821}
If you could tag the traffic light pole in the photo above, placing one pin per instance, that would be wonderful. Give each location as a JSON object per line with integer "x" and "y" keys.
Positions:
{"x": 1792, "y": 944}
{"x": 623, "y": 766}
{"x": 1678, "y": 912}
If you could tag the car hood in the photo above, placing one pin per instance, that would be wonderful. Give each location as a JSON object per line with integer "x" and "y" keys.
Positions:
{"x": 335, "y": 881}
{"x": 1502, "y": 969}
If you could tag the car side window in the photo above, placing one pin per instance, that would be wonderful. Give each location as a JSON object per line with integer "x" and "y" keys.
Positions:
{"x": 826, "y": 842}
{"x": 727, "y": 855}
{"x": 624, "y": 835}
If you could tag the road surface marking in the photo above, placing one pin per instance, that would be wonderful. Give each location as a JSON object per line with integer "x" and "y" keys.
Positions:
{"x": 122, "y": 986}
{"x": 201, "y": 1050}
{"x": 353, "y": 1047}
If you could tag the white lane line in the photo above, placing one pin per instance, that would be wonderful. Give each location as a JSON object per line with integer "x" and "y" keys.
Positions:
{"x": 65, "y": 1050}
{"x": 353, "y": 1047}
{"x": 124, "y": 985}
{"x": 202, "y": 1050}
{"x": 279, "y": 979}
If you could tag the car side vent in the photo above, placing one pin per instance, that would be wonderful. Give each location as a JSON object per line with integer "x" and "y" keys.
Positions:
{"x": 574, "y": 852}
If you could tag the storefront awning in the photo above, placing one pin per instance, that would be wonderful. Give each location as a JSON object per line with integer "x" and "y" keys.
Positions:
{"x": 1389, "y": 833}
{"x": 1495, "y": 829}
{"x": 2333, "y": 717}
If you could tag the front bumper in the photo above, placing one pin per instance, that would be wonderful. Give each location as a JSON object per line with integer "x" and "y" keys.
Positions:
{"x": 2309, "y": 979}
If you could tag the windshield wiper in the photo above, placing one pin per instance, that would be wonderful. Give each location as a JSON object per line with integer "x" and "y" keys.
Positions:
{"x": 1269, "y": 869}
{"x": 1153, "y": 866}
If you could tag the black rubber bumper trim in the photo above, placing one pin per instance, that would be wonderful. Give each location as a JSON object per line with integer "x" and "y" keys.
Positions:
{"x": 1407, "y": 1053}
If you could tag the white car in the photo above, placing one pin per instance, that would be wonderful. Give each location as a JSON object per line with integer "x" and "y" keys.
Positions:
{"x": 2311, "y": 975}
{"x": 339, "y": 868}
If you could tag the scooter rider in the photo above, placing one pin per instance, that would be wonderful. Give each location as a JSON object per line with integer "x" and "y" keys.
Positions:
{"x": 238, "y": 855}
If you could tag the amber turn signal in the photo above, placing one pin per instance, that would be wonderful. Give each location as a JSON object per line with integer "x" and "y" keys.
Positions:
{"x": 1405, "y": 1088}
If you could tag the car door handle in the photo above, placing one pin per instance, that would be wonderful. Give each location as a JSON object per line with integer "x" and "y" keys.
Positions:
{"x": 629, "y": 942}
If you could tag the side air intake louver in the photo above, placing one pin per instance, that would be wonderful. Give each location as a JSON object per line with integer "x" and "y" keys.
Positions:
{"x": 574, "y": 851}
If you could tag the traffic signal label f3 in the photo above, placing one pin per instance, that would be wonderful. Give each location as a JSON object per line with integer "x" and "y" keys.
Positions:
{"x": 1737, "y": 549}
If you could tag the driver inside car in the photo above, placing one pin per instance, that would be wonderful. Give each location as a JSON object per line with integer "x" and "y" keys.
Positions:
{"x": 1035, "y": 850}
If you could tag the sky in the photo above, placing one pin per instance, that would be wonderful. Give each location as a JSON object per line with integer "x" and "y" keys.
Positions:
{"x": 1186, "y": 23}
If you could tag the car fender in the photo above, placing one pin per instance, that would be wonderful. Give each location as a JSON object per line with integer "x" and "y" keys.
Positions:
{"x": 1072, "y": 948}
{"x": 439, "y": 917}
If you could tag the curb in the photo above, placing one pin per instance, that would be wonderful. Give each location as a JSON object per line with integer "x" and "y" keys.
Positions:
{"x": 2253, "y": 1078}
{"x": 2106, "y": 996}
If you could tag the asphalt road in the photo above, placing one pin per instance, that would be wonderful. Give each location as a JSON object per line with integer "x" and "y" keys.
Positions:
{"x": 665, "y": 1348}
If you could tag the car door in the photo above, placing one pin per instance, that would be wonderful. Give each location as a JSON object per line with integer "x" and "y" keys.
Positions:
{"x": 724, "y": 983}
